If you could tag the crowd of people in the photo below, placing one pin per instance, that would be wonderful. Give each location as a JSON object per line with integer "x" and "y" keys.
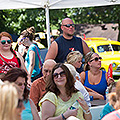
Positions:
{"x": 57, "y": 88}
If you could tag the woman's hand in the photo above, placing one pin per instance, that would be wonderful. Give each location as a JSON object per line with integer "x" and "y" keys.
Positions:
{"x": 110, "y": 80}
{"x": 87, "y": 114}
{"x": 70, "y": 112}
{"x": 83, "y": 104}
{"x": 96, "y": 95}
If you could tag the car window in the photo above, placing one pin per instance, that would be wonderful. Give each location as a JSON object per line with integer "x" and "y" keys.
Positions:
{"x": 116, "y": 47}
{"x": 101, "y": 48}
{"x": 110, "y": 47}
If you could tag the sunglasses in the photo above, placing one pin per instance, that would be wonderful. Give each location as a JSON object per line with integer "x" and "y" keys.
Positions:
{"x": 20, "y": 103}
{"x": 47, "y": 71}
{"x": 96, "y": 59}
{"x": 4, "y": 41}
{"x": 62, "y": 74}
{"x": 21, "y": 84}
{"x": 23, "y": 39}
{"x": 68, "y": 25}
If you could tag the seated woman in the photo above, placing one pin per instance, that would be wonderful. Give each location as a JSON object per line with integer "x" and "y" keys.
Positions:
{"x": 60, "y": 96}
{"x": 19, "y": 77}
{"x": 93, "y": 78}
{"x": 74, "y": 61}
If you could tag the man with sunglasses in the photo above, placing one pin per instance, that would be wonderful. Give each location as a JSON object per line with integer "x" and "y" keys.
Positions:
{"x": 38, "y": 86}
{"x": 66, "y": 43}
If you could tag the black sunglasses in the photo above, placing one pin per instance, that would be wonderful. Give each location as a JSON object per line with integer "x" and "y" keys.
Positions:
{"x": 20, "y": 103}
{"x": 4, "y": 41}
{"x": 68, "y": 25}
{"x": 20, "y": 84}
{"x": 96, "y": 59}
{"x": 47, "y": 71}
{"x": 62, "y": 74}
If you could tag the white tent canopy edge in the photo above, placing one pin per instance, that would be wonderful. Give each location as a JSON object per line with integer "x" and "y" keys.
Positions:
{"x": 53, "y": 4}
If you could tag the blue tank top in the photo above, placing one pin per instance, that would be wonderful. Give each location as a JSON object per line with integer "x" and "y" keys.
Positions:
{"x": 36, "y": 69}
{"x": 65, "y": 46}
{"x": 27, "y": 113}
{"x": 100, "y": 87}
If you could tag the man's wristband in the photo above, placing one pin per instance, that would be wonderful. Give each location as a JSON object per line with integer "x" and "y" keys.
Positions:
{"x": 63, "y": 117}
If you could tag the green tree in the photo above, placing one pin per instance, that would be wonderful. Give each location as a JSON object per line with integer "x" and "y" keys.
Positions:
{"x": 14, "y": 21}
{"x": 96, "y": 15}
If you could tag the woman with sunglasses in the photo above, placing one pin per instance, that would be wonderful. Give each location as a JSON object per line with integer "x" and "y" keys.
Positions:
{"x": 8, "y": 57}
{"x": 19, "y": 77}
{"x": 33, "y": 60}
{"x": 11, "y": 104}
{"x": 61, "y": 95}
{"x": 94, "y": 79}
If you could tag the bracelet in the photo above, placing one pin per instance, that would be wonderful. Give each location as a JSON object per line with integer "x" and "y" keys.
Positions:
{"x": 63, "y": 117}
{"x": 86, "y": 111}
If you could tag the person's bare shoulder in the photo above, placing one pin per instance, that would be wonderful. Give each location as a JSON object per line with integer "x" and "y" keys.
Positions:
{"x": 82, "y": 76}
{"x": 52, "y": 52}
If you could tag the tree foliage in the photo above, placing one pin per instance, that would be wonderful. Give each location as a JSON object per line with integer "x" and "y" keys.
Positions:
{"x": 14, "y": 21}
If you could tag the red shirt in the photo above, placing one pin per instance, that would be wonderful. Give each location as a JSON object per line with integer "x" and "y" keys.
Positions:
{"x": 37, "y": 91}
{"x": 6, "y": 64}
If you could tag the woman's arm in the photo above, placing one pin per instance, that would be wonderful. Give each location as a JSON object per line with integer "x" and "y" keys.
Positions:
{"x": 48, "y": 112}
{"x": 82, "y": 77}
{"x": 22, "y": 61}
{"x": 23, "y": 66}
{"x": 94, "y": 94}
{"x": 109, "y": 80}
{"x": 34, "y": 111}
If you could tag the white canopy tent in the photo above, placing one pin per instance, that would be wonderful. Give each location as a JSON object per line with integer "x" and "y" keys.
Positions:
{"x": 53, "y": 4}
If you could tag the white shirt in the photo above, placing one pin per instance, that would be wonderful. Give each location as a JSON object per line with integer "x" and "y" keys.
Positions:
{"x": 79, "y": 86}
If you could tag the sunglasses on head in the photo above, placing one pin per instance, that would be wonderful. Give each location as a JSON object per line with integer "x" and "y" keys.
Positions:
{"x": 20, "y": 103}
{"x": 68, "y": 25}
{"x": 62, "y": 74}
{"x": 4, "y": 41}
{"x": 96, "y": 59}
{"x": 23, "y": 39}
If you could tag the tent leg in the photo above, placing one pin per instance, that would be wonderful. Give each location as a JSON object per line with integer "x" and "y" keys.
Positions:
{"x": 48, "y": 26}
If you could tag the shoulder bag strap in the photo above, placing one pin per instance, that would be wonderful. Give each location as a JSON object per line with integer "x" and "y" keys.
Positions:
{"x": 39, "y": 57}
{"x": 5, "y": 61}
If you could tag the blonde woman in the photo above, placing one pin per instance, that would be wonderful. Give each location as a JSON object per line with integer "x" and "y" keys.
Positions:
{"x": 75, "y": 58}
{"x": 11, "y": 104}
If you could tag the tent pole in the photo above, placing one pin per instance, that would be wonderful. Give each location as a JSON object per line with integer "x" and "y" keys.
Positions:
{"x": 47, "y": 25}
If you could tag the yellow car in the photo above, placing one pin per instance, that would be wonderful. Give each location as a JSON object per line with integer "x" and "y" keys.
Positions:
{"x": 109, "y": 50}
